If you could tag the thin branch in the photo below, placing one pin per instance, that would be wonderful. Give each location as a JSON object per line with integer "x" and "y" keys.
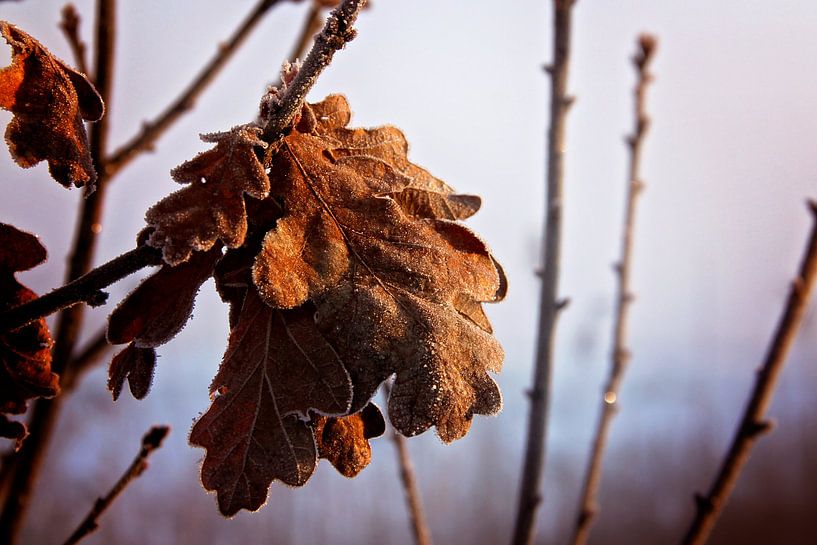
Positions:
{"x": 152, "y": 130}
{"x": 88, "y": 356}
{"x": 312, "y": 24}
{"x": 85, "y": 289}
{"x": 414, "y": 502}
{"x": 753, "y": 424}
{"x": 549, "y": 304}
{"x": 69, "y": 323}
{"x": 336, "y": 33}
{"x": 620, "y": 354}
{"x": 70, "y": 27}
{"x": 150, "y": 442}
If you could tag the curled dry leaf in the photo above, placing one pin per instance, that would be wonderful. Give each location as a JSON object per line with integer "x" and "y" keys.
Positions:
{"x": 344, "y": 441}
{"x": 211, "y": 208}
{"x": 369, "y": 238}
{"x": 49, "y": 101}
{"x": 135, "y": 364}
{"x": 276, "y": 370}
{"x": 25, "y": 353}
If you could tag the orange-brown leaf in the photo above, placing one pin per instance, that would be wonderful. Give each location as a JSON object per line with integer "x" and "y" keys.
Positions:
{"x": 49, "y": 101}
{"x": 212, "y": 206}
{"x": 371, "y": 239}
{"x": 277, "y": 369}
{"x": 344, "y": 441}
{"x": 25, "y": 353}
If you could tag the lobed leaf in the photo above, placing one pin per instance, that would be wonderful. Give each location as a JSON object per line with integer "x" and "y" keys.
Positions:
{"x": 277, "y": 369}
{"x": 344, "y": 441}
{"x": 135, "y": 364}
{"x": 212, "y": 207}
{"x": 49, "y": 101}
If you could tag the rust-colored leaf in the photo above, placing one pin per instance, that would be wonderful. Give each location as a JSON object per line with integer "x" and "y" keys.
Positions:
{"x": 211, "y": 207}
{"x": 49, "y": 101}
{"x": 276, "y": 370}
{"x": 160, "y": 307}
{"x": 135, "y": 364}
{"x": 370, "y": 239}
{"x": 344, "y": 441}
{"x": 25, "y": 353}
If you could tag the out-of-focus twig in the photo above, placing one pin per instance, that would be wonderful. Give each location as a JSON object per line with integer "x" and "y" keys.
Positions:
{"x": 69, "y": 322}
{"x": 549, "y": 304}
{"x": 152, "y": 130}
{"x": 70, "y": 27}
{"x": 620, "y": 355}
{"x": 414, "y": 502}
{"x": 753, "y": 424}
{"x": 150, "y": 442}
{"x": 87, "y": 357}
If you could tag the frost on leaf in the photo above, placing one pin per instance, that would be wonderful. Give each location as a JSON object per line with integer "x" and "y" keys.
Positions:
{"x": 136, "y": 365}
{"x": 49, "y": 101}
{"x": 277, "y": 369}
{"x": 25, "y": 353}
{"x": 369, "y": 237}
{"x": 344, "y": 441}
{"x": 212, "y": 206}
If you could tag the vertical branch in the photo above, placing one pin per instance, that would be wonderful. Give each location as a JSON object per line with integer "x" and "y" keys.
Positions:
{"x": 620, "y": 354}
{"x": 753, "y": 424}
{"x": 151, "y": 441}
{"x": 549, "y": 304}
{"x": 43, "y": 417}
{"x": 70, "y": 27}
{"x": 414, "y": 502}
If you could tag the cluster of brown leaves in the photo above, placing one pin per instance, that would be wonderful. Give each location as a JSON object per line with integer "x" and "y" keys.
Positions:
{"x": 25, "y": 353}
{"x": 344, "y": 266}
{"x": 49, "y": 100}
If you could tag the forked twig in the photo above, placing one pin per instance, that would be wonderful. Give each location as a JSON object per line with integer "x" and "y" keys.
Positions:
{"x": 549, "y": 304}
{"x": 753, "y": 424}
{"x": 152, "y": 130}
{"x": 87, "y": 357}
{"x": 151, "y": 441}
{"x": 414, "y": 501}
{"x": 620, "y": 355}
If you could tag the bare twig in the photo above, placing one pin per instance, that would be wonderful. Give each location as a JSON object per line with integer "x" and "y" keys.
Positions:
{"x": 549, "y": 304}
{"x": 414, "y": 501}
{"x": 86, "y": 288}
{"x": 620, "y": 355}
{"x": 89, "y": 356}
{"x": 312, "y": 24}
{"x": 152, "y": 130}
{"x": 150, "y": 442}
{"x": 70, "y": 320}
{"x": 753, "y": 424}
{"x": 336, "y": 33}
{"x": 70, "y": 27}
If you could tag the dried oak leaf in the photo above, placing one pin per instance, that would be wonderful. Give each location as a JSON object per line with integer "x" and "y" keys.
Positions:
{"x": 276, "y": 370}
{"x": 25, "y": 353}
{"x": 370, "y": 239}
{"x": 212, "y": 206}
{"x": 344, "y": 441}
{"x": 49, "y": 101}
{"x": 151, "y": 315}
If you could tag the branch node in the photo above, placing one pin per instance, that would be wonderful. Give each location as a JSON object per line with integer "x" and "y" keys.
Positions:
{"x": 97, "y": 298}
{"x": 562, "y": 303}
{"x": 756, "y": 429}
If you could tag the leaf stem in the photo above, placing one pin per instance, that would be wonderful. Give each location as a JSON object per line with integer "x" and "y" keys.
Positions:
{"x": 336, "y": 33}
{"x": 152, "y": 130}
{"x": 753, "y": 424}
{"x": 151, "y": 441}
{"x": 549, "y": 304}
{"x": 620, "y": 354}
